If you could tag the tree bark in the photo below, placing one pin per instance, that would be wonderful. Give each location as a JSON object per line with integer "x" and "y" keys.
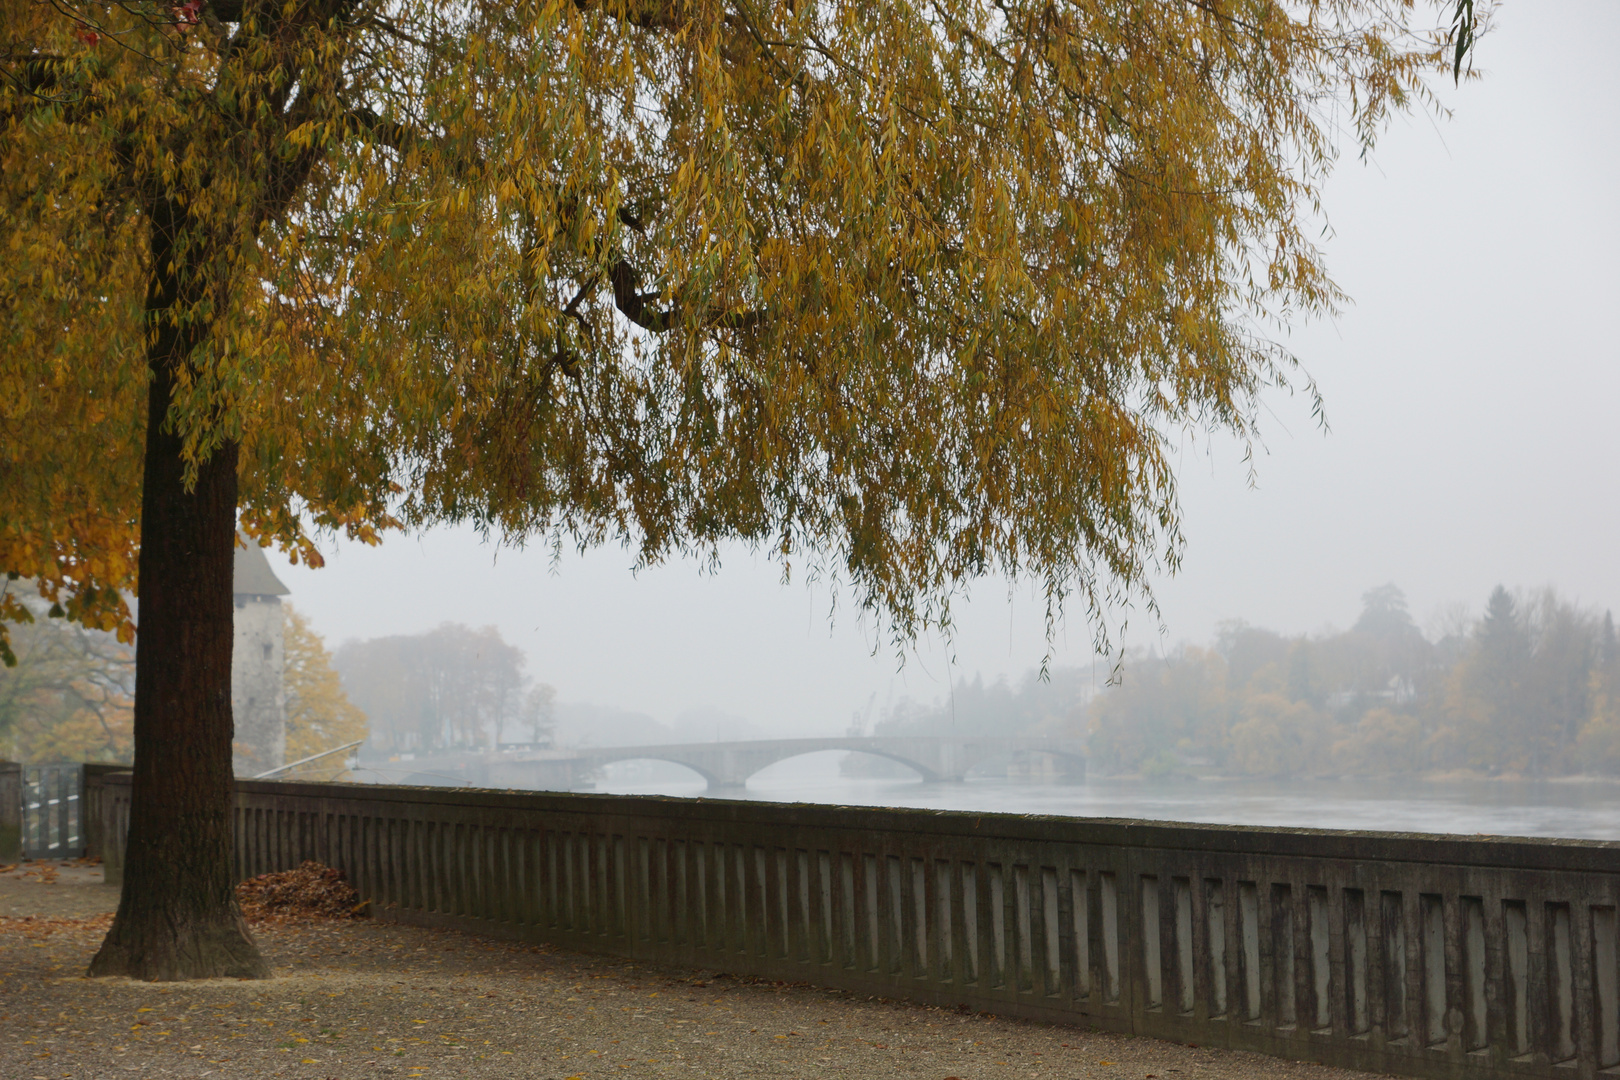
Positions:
{"x": 177, "y": 916}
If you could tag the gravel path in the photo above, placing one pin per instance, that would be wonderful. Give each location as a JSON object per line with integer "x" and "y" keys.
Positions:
{"x": 353, "y": 1000}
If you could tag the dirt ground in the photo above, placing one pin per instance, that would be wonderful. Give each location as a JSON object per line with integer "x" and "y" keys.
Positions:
{"x": 357, "y": 999}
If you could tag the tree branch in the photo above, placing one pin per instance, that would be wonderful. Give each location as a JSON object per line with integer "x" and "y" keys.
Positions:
{"x": 226, "y": 11}
{"x": 647, "y": 14}
{"x": 389, "y": 133}
{"x": 634, "y": 305}
{"x": 36, "y": 76}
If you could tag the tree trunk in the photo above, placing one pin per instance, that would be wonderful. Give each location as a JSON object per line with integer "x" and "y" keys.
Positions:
{"x": 178, "y": 917}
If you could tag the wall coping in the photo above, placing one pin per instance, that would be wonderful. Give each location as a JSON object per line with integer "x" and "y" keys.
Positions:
{"x": 1495, "y": 852}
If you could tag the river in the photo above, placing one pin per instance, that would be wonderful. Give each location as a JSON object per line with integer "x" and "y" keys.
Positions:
{"x": 1588, "y": 810}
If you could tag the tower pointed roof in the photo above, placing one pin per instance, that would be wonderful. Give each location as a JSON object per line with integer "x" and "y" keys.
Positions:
{"x": 252, "y": 574}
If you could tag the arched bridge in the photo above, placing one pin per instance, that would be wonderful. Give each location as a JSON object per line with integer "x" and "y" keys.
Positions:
{"x": 730, "y": 764}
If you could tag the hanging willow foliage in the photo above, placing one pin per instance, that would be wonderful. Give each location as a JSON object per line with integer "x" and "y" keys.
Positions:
{"x": 914, "y": 291}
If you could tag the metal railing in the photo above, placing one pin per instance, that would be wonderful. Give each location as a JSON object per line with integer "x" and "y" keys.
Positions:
{"x": 1435, "y": 956}
{"x": 51, "y": 800}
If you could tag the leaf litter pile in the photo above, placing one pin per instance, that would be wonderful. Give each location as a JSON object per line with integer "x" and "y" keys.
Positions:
{"x": 312, "y": 891}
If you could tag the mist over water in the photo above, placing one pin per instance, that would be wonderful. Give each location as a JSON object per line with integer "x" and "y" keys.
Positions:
{"x": 1551, "y": 808}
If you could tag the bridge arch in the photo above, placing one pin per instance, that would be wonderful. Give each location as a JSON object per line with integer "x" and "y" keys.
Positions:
{"x": 929, "y": 775}
{"x": 602, "y": 759}
{"x": 916, "y": 769}
{"x": 729, "y": 765}
{"x": 741, "y": 765}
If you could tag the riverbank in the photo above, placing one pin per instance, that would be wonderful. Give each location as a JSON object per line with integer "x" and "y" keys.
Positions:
{"x": 356, "y": 999}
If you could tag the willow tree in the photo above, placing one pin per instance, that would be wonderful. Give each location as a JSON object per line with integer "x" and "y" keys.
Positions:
{"x": 913, "y": 291}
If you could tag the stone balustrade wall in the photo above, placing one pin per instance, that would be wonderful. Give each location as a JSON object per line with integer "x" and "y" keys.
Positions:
{"x": 1433, "y": 956}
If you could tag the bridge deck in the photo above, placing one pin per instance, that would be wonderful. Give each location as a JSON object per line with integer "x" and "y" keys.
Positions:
{"x": 722, "y": 764}
{"x": 729, "y": 764}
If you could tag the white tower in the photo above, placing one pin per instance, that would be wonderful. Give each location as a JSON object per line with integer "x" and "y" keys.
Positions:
{"x": 258, "y": 701}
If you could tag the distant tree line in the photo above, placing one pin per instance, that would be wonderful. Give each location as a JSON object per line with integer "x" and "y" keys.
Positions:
{"x": 1034, "y": 705}
{"x": 1530, "y": 688}
{"x": 451, "y": 688}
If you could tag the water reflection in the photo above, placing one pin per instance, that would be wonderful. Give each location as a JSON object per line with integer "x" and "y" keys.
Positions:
{"x": 1508, "y": 808}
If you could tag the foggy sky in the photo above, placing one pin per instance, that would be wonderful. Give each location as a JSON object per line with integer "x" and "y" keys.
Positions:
{"x": 1471, "y": 392}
